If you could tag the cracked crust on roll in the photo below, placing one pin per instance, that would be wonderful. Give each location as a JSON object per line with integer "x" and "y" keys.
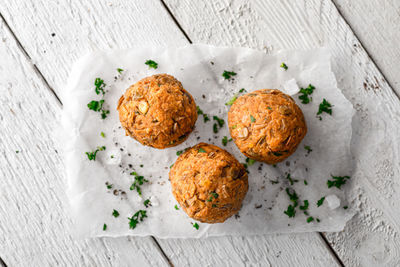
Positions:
{"x": 157, "y": 111}
{"x": 208, "y": 183}
{"x": 266, "y": 125}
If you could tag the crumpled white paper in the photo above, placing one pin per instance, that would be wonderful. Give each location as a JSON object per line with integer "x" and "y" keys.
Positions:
{"x": 200, "y": 68}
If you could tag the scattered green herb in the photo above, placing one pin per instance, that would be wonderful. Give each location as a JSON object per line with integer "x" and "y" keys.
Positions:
{"x": 220, "y": 121}
{"x": 179, "y": 152}
{"x": 92, "y": 155}
{"x": 308, "y": 148}
{"x": 320, "y": 202}
{"x": 252, "y": 118}
{"x": 305, "y": 182}
{"x": 136, "y": 218}
{"x": 112, "y": 156}
{"x": 305, "y": 206}
{"x": 100, "y": 85}
{"x": 97, "y": 106}
{"x": 17, "y": 151}
{"x": 147, "y": 203}
{"x": 292, "y": 196}
{"x": 205, "y": 116}
{"x": 109, "y": 186}
{"x": 103, "y": 135}
{"x": 290, "y": 212}
{"x": 115, "y": 213}
{"x": 196, "y": 225}
{"x": 345, "y": 207}
{"x": 104, "y": 227}
{"x": 139, "y": 180}
{"x": 324, "y": 106}
{"x": 176, "y": 207}
{"x": 291, "y": 180}
{"x": 234, "y": 127}
{"x": 214, "y": 195}
{"x": 310, "y": 219}
{"x": 250, "y": 161}
{"x": 306, "y": 92}
{"x": 269, "y": 108}
{"x": 228, "y": 74}
{"x": 120, "y": 70}
{"x": 242, "y": 90}
{"x": 151, "y": 64}
{"x": 337, "y": 181}
{"x": 225, "y": 140}
{"x": 284, "y": 66}
{"x": 201, "y": 150}
{"x": 233, "y": 99}
{"x": 172, "y": 165}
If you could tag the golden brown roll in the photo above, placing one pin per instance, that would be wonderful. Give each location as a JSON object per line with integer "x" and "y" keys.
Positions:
{"x": 208, "y": 183}
{"x": 266, "y": 125}
{"x": 157, "y": 111}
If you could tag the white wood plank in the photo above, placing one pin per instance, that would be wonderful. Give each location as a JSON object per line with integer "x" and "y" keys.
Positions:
{"x": 34, "y": 225}
{"x": 78, "y": 27}
{"x": 377, "y": 24}
{"x": 371, "y": 238}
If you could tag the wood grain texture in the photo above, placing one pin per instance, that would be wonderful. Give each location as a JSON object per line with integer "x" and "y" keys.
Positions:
{"x": 377, "y": 24}
{"x": 371, "y": 238}
{"x": 34, "y": 225}
{"x": 81, "y": 27}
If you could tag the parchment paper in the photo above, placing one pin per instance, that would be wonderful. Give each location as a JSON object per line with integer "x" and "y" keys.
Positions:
{"x": 200, "y": 68}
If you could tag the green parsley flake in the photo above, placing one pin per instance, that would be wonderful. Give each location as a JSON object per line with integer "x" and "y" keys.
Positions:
{"x": 337, "y": 181}
{"x": 205, "y": 116}
{"x": 345, "y": 207}
{"x": 176, "y": 207}
{"x": 308, "y": 148}
{"x": 196, "y": 225}
{"x": 97, "y": 106}
{"x": 103, "y": 135}
{"x": 234, "y": 127}
{"x": 139, "y": 180}
{"x": 220, "y": 121}
{"x": 179, "y": 152}
{"x": 324, "y": 106}
{"x": 136, "y": 218}
{"x": 172, "y": 165}
{"x": 100, "y": 85}
{"x": 151, "y": 64}
{"x": 201, "y": 150}
{"x": 147, "y": 203}
{"x": 250, "y": 161}
{"x": 233, "y": 99}
{"x": 320, "y": 202}
{"x": 317, "y": 220}
{"x": 242, "y": 90}
{"x": 92, "y": 155}
{"x": 252, "y": 118}
{"x": 284, "y": 66}
{"x": 225, "y": 140}
{"x": 104, "y": 227}
{"x": 115, "y": 213}
{"x": 306, "y": 92}
{"x": 109, "y": 186}
{"x": 305, "y": 182}
{"x": 120, "y": 70}
{"x": 17, "y": 151}
{"x": 310, "y": 219}
{"x": 228, "y": 74}
{"x": 214, "y": 195}
{"x": 292, "y": 196}
{"x": 291, "y": 180}
{"x": 305, "y": 206}
{"x": 290, "y": 212}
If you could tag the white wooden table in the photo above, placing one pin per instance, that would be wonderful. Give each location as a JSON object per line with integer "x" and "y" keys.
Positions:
{"x": 39, "y": 41}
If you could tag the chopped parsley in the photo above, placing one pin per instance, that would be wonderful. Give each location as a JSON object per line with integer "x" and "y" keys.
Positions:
{"x": 17, "y": 151}
{"x": 220, "y": 121}
{"x": 324, "y": 106}
{"x": 252, "y": 118}
{"x": 136, "y": 218}
{"x": 233, "y": 99}
{"x": 147, "y": 203}
{"x": 104, "y": 227}
{"x": 292, "y": 196}
{"x": 139, "y": 180}
{"x": 100, "y": 85}
{"x": 176, "y": 207}
{"x": 151, "y": 64}
{"x": 214, "y": 195}
{"x": 306, "y": 92}
{"x": 317, "y": 220}
{"x": 308, "y": 148}
{"x": 284, "y": 66}
{"x": 115, "y": 213}
{"x": 310, "y": 219}
{"x": 242, "y": 90}
{"x": 200, "y": 112}
{"x": 172, "y": 165}
{"x": 337, "y": 181}
{"x": 291, "y": 180}
{"x": 92, "y": 155}
{"x": 179, "y": 152}
{"x": 109, "y": 186}
{"x": 290, "y": 212}
{"x": 320, "y": 202}
{"x": 225, "y": 140}
{"x": 305, "y": 206}
{"x": 97, "y": 106}
{"x": 250, "y": 161}
{"x": 120, "y": 70}
{"x": 345, "y": 207}
{"x": 196, "y": 225}
{"x": 103, "y": 135}
{"x": 305, "y": 182}
{"x": 201, "y": 150}
{"x": 228, "y": 74}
